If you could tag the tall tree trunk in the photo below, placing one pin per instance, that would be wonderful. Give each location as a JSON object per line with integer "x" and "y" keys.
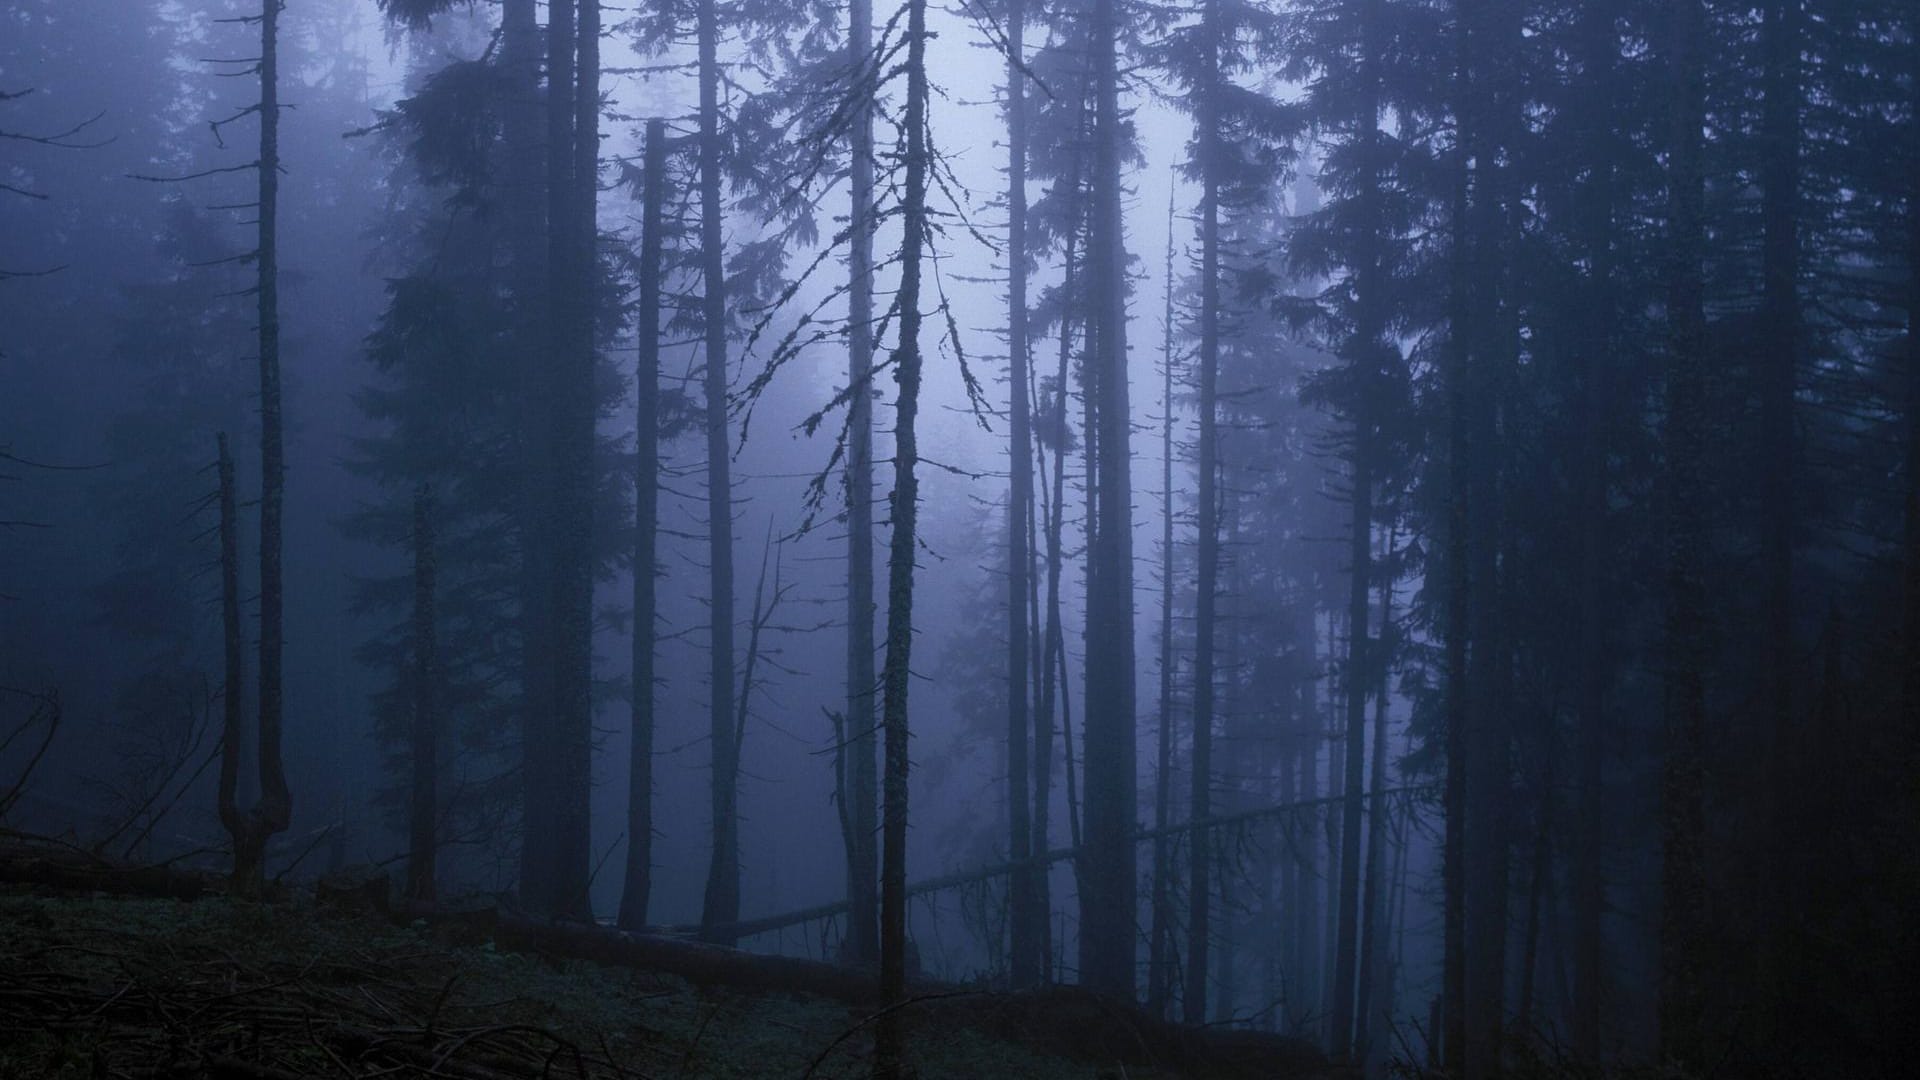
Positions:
{"x": 1107, "y": 902}
{"x": 1373, "y": 901}
{"x": 1453, "y": 1028}
{"x": 889, "y": 1060}
{"x": 1365, "y": 360}
{"x": 559, "y": 757}
{"x": 1683, "y": 826}
{"x": 1288, "y": 952}
{"x": 274, "y": 811}
{"x": 424, "y": 805}
{"x": 863, "y": 864}
{"x": 1780, "y": 339}
{"x": 575, "y": 482}
{"x": 1493, "y": 356}
{"x": 721, "y": 906}
{"x": 233, "y": 686}
{"x": 1207, "y": 511}
{"x": 1912, "y": 524}
{"x": 1054, "y": 636}
{"x": 1024, "y": 932}
{"x": 1159, "y": 942}
{"x": 1598, "y": 209}
{"x": 524, "y": 120}
{"x": 1309, "y": 932}
{"x": 638, "y": 889}
{"x": 553, "y": 875}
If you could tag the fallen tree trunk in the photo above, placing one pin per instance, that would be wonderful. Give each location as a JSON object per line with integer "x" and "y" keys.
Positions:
{"x": 769, "y": 923}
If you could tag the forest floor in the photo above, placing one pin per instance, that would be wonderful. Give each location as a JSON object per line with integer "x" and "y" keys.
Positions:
{"x": 98, "y": 985}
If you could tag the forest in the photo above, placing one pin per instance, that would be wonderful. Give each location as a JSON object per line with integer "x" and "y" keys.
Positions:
{"x": 1383, "y": 534}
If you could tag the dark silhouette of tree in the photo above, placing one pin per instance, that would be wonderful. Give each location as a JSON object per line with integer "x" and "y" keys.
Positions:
{"x": 896, "y": 675}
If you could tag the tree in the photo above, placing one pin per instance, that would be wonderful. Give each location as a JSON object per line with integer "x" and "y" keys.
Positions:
{"x": 863, "y": 789}
{"x": 1026, "y": 919}
{"x": 424, "y": 810}
{"x": 274, "y": 810}
{"x": 1683, "y": 827}
{"x": 1107, "y": 896}
{"x": 722, "y": 898}
{"x": 896, "y": 676}
{"x": 646, "y": 534}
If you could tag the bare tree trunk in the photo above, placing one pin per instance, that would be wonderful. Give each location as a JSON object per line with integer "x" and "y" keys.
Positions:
{"x": 425, "y": 803}
{"x": 1207, "y": 528}
{"x": 889, "y": 1062}
{"x": 274, "y": 811}
{"x": 1024, "y": 931}
{"x": 1683, "y": 827}
{"x": 1160, "y": 973}
{"x": 863, "y": 864}
{"x": 721, "y": 905}
{"x": 1107, "y": 913}
{"x": 638, "y": 888}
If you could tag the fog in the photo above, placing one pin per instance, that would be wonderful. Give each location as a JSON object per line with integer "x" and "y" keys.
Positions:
{"x": 1510, "y": 663}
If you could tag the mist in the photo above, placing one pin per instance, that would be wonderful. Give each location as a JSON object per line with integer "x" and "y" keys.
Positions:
{"x": 1066, "y": 537}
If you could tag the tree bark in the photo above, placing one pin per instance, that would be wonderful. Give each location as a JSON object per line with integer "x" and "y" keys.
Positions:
{"x": 646, "y": 534}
